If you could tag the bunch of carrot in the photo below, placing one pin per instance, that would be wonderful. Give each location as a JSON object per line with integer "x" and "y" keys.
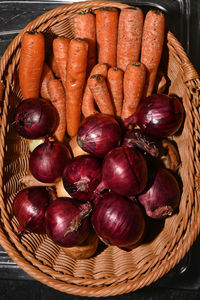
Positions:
{"x": 109, "y": 66}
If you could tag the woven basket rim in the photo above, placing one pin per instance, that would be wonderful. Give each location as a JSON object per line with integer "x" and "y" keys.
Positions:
{"x": 91, "y": 290}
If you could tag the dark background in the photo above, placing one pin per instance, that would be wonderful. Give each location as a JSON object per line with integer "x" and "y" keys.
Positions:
{"x": 182, "y": 282}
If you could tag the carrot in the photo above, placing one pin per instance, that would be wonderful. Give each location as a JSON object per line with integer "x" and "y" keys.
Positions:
{"x": 115, "y": 85}
{"x": 107, "y": 29}
{"x": 134, "y": 81}
{"x": 129, "y": 36}
{"x": 52, "y": 64}
{"x": 76, "y": 74}
{"x": 57, "y": 97}
{"x": 100, "y": 92}
{"x": 85, "y": 28}
{"x": 88, "y": 103}
{"x": 60, "y": 51}
{"x": 31, "y": 62}
{"x": 152, "y": 46}
{"x": 47, "y": 75}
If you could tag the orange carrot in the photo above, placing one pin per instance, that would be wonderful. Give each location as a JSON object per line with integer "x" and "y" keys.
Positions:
{"x": 88, "y": 103}
{"x": 152, "y": 46}
{"x": 52, "y": 64}
{"x": 100, "y": 92}
{"x": 129, "y": 36}
{"x": 85, "y": 28}
{"x": 107, "y": 29}
{"x": 47, "y": 75}
{"x": 134, "y": 81}
{"x": 115, "y": 85}
{"x": 76, "y": 74}
{"x": 57, "y": 97}
{"x": 31, "y": 62}
{"x": 60, "y": 51}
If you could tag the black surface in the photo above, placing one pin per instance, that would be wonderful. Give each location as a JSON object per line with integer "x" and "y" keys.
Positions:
{"x": 182, "y": 282}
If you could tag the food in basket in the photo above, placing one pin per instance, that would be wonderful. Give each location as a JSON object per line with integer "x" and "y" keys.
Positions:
{"x": 119, "y": 221}
{"x": 32, "y": 57}
{"x": 29, "y": 208}
{"x": 98, "y": 160}
{"x": 67, "y": 221}
{"x": 36, "y": 118}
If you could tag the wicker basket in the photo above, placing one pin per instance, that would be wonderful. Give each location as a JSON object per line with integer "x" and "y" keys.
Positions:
{"x": 112, "y": 271}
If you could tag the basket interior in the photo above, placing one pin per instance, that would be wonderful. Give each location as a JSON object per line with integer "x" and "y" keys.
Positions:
{"x": 111, "y": 270}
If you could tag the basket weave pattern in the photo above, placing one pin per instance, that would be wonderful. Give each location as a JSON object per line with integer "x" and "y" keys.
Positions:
{"x": 112, "y": 271}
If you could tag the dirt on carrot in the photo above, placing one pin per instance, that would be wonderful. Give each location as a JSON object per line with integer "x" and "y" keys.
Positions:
{"x": 129, "y": 36}
{"x": 152, "y": 46}
{"x": 76, "y": 75}
{"x": 134, "y": 81}
{"x": 100, "y": 92}
{"x": 115, "y": 86}
{"x": 88, "y": 103}
{"x": 31, "y": 63}
{"x": 107, "y": 19}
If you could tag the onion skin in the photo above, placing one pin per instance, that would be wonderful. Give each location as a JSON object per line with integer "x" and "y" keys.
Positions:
{"x": 29, "y": 208}
{"x": 162, "y": 197}
{"x": 119, "y": 221}
{"x": 81, "y": 177}
{"x": 67, "y": 222}
{"x": 136, "y": 139}
{"x": 158, "y": 115}
{"x": 48, "y": 160}
{"x": 124, "y": 172}
{"x": 35, "y": 118}
{"x": 98, "y": 134}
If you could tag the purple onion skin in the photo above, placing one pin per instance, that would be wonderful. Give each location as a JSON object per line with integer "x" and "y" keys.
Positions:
{"x": 67, "y": 221}
{"x": 81, "y": 177}
{"x": 98, "y": 134}
{"x": 118, "y": 221}
{"x": 35, "y": 118}
{"x": 47, "y": 161}
{"x": 137, "y": 139}
{"x": 124, "y": 172}
{"x": 163, "y": 196}
{"x": 29, "y": 208}
{"x": 158, "y": 115}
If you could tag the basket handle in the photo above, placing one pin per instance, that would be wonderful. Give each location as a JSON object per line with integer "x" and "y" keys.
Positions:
{"x": 1, "y": 89}
{"x": 190, "y": 72}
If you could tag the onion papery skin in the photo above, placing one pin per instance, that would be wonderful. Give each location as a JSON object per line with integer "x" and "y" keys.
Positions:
{"x": 67, "y": 221}
{"x": 35, "y": 118}
{"x": 158, "y": 115}
{"x": 124, "y": 172}
{"x": 137, "y": 139}
{"x": 98, "y": 134}
{"x": 81, "y": 177}
{"x": 48, "y": 160}
{"x": 119, "y": 221}
{"x": 163, "y": 196}
{"x": 29, "y": 208}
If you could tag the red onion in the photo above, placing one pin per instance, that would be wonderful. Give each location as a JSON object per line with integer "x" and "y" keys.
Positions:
{"x": 136, "y": 139}
{"x": 29, "y": 208}
{"x": 163, "y": 196}
{"x": 35, "y": 118}
{"x": 118, "y": 221}
{"x": 67, "y": 222}
{"x": 158, "y": 115}
{"x": 124, "y": 171}
{"x": 98, "y": 134}
{"x": 81, "y": 177}
{"x": 47, "y": 161}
